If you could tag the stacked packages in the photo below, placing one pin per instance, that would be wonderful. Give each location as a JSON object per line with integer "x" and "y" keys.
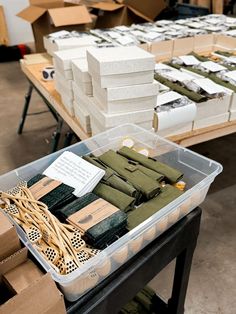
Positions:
{"x": 123, "y": 87}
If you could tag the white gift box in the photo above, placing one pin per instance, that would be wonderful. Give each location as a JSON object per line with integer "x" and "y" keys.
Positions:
{"x": 82, "y": 114}
{"x": 175, "y": 130}
{"x": 63, "y": 58}
{"x": 109, "y": 120}
{"x": 212, "y": 120}
{"x": 68, "y": 103}
{"x": 119, "y": 60}
{"x": 232, "y": 115}
{"x": 81, "y": 76}
{"x": 126, "y": 98}
{"x": 63, "y": 86}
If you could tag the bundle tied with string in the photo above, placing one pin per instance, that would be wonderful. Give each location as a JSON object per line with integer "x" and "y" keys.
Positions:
{"x": 60, "y": 244}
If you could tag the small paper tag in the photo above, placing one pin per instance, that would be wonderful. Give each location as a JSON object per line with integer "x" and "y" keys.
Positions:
{"x": 43, "y": 187}
{"x": 92, "y": 214}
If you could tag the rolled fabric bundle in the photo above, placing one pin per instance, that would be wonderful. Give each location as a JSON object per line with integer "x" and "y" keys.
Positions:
{"x": 180, "y": 89}
{"x": 146, "y": 185}
{"x": 170, "y": 173}
{"x": 146, "y": 210}
{"x": 56, "y": 198}
{"x": 112, "y": 178}
{"x": 121, "y": 200}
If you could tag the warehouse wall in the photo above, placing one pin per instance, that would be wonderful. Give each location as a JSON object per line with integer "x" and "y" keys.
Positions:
{"x": 19, "y": 31}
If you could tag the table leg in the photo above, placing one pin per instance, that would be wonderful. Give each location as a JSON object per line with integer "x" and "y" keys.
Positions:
{"x": 181, "y": 279}
{"x": 25, "y": 109}
{"x": 56, "y": 136}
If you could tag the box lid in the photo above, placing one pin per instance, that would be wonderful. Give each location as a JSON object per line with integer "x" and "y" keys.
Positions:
{"x": 31, "y": 13}
{"x": 107, "y": 6}
{"x": 70, "y": 15}
{"x": 148, "y": 8}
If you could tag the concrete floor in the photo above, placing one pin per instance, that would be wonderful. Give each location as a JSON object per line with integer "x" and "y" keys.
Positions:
{"x": 212, "y": 287}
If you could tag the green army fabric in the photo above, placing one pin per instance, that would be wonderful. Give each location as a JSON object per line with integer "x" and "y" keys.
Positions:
{"x": 112, "y": 178}
{"x": 115, "y": 197}
{"x": 180, "y": 89}
{"x": 170, "y": 173}
{"x": 146, "y": 210}
{"x": 211, "y": 76}
{"x": 146, "y": 185}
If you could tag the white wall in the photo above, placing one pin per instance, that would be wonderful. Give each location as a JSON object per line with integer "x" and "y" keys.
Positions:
{"x": 19, "y": 31}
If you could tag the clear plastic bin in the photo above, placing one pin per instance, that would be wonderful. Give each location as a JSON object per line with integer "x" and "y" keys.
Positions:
{"x": 199, "y": 173}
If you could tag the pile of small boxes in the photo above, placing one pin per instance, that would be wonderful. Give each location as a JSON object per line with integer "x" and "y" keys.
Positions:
{"x": 109, "y": 87}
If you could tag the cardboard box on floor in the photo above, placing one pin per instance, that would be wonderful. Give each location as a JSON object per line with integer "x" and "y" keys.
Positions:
{"x": 9, "y": 241}
{"x": 41, "y": 297}
{"x": 50, "y": 16}
{"x": 127, "y": 12}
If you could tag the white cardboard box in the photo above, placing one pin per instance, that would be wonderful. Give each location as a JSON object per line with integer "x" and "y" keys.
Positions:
{"x": 83, "y": 116}
{"x": 63, "y": 86}
{"x": 68, "y": 75}
{"x": 126, "y": 99}
{"x": 67, "y": 43}
{"x": 183, "y": 46}
{"x": 108, "y": 120}
{"x": 68, "y": 103}
{"x": 118, "y": 80}
{"x": 81, "y": 76}
{"x": 162, "y": 50}
{"x": 204, "y": 43}
{"x": 63, "y": 58}
{"x": 119, "y": 60}
{"x": 213, "y": 107}
{"x": 178, "y": 129}
{"x": 213, "y": 120}
{"x": 232, "y": 116}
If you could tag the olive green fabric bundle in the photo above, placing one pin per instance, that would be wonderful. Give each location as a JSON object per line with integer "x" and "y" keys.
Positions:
{"x": 143, "y": 183}
{"x": 146, "y": 210}
{"x": 180, "y": 89}
{"x": 211, "y": 76}
{"x": 112, "y": 178}
{"x": 172, "y": 175}
{"x": 121, "y": 200}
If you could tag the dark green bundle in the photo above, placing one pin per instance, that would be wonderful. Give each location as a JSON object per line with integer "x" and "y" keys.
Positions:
{"x": 171, "y": 174}
{"x": 113, "y": 179}
{"x": 64, "y": 212}
{"x": 143, "y": 183}
{"x": 144, "y": 302}
{"x": 58, "y": 197}
{"x": 146, "y": 210}
{"x": 180, "y": 89}
{"x": 103, "y": 233}
{"x": 115, "y": 197}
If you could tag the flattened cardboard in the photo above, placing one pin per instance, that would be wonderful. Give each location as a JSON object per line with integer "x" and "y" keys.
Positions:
{"x": 9, "y": 241}
{"x": 22, "y": 276}
{"x": 149, "y": 8}
{"x": 70, "y": 16}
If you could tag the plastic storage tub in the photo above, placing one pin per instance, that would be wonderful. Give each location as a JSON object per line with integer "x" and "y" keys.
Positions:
{"x": 199, "y": 173}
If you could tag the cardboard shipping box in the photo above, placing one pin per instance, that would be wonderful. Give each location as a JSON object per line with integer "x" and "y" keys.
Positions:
{"x": 9, "y": 241}
{"x": 127, "y": 12}
{"x": 40, "y": 297}
{"x": 50, "y": 16}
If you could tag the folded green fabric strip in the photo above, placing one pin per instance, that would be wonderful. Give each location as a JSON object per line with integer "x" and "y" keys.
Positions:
{"x": 146, "y": 185}
{"x": 170, "y": 173}
{"x": 146, "y": 210}
{"x": 115, "y": 197}
{"x": 112, "y": 178}
{"x": 180, "y": 89}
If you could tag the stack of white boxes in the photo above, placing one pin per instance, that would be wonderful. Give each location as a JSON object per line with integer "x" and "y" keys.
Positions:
{"x": 63, "y": 74}
{"x": 83, "y": 91}
{"x": 123, "y": 87}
